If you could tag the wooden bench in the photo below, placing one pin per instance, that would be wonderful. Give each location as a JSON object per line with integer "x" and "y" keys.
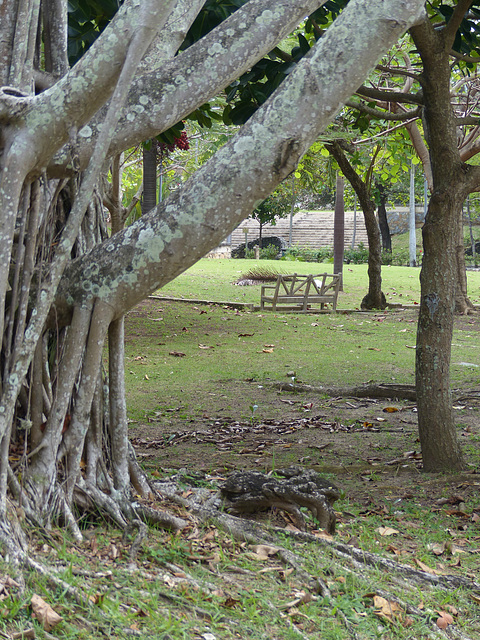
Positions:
{"x": 301, "y": 293}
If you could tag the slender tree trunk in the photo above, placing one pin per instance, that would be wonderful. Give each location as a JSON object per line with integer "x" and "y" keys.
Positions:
{"x": 375, "y": 298}
{"x": 463, "y": 304}
{"x": 440, "y": 448}
{"x": 383, "y": 221}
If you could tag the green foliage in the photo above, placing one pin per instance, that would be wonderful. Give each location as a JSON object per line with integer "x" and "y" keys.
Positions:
{"x": 212, "y": 14}
{"x": 270, "y": 252}
{"x": 86, "y": 20}
{"x": 357, "y": 255}
{"x": 277, "y": 205}
{"x": 306, "y": 254}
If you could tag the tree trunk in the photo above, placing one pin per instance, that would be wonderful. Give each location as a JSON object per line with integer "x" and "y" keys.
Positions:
{"x": 440, "y": 447}
{"x": 375, "y": 298}
{"x": 383, "y": 221}
{"x": 463, "y": 304}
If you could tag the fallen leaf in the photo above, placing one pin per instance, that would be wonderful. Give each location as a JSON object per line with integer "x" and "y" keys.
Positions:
{"x": 386, "y": 531}
{"x": 319, "y": 533}
{"x": 267, "y": 350}
{"x": 437, "y": 548}
{"x": 44, "y": 613}
{"x": 444, "y": 620}
{"x": 386, "y": 608}
{"x": 205, "y": 346}
{"x": 426, "y": 568}
{"x": 230, "y": 603}
{"x": 393, "y": 549}
{"x": 390, "y": 409}
{"x": 177, "y": 354}
{"x": 302, "y": 598}
{"x": 264, "y": 551}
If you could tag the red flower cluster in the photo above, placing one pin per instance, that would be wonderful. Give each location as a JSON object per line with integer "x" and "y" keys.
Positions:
{"x": 179, "y": 143}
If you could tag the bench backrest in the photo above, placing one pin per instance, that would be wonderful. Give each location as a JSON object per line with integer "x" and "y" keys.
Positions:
{"x": 320, "y": 284}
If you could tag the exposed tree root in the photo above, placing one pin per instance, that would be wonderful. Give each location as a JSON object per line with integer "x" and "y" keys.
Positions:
{"x": 399, "y": 391}
{"x": 207, "y": 509}
{"x": 354, "y": 560}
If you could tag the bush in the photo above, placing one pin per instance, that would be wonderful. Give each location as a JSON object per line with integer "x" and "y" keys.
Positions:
{"x": 359, "y": 255}
{"x": 249, "y": 252}
{"x": 305, "y": 254}
{"x": 270, "y": 252}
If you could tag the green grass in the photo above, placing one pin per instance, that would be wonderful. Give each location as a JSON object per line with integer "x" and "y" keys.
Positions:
{"x": 214, "y": 280}
{"x": 324, "y": 349}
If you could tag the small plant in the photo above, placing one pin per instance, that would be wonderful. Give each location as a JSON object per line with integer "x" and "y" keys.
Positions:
{"x": 306, "y": 254}
{"x": 253, "y": 407}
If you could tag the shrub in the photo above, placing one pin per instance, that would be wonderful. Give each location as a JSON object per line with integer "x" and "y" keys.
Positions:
{"x": 270, "y": 252}
{"x": 241, "y": 252}
{"x": 305, "y": 254}
{"x": 358, "y": 255}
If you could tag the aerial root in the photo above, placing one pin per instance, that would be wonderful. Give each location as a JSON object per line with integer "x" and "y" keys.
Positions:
{"x": 139, "y": 538}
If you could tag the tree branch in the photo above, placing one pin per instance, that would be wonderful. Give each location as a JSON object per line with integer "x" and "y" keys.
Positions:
{"x": 390, "y": 96}
{"x": 453, "y": 24}
{"x": 384, "y": 115}
{"x": 160, "y": 99}
{"x": 78, "y": 95}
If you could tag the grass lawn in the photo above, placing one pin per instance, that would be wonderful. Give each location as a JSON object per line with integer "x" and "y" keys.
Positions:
{"x": 215, "y": 280}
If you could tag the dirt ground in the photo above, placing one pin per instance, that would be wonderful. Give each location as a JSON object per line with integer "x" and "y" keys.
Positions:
{"x": 368, "y": 447}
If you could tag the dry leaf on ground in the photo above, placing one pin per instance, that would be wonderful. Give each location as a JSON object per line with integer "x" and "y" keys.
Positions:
{"x": 444, "y": 620}
{"x": 386, "y": 531}
{"x": 44, "y": 613}
{"x": 386, "y": 608}
{"x": 263, "y": 551}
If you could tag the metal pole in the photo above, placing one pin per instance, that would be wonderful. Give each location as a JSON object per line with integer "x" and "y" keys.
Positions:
{"x": 412, "y": 234}
{"x": 292, "y": 211}
{"x": 354, "y": 222}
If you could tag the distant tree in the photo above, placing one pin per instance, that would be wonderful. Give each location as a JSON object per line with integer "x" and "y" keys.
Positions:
{"x": 277, "y": 205}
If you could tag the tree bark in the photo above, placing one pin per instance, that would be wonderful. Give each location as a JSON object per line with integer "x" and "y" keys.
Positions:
{"x": 383, "y": 221}
{"x": 375, "y": 298}
{"x": 440, "y": 447}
